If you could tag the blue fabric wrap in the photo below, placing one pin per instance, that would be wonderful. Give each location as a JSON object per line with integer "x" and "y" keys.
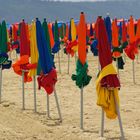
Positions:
{"x": 44, "y": 55}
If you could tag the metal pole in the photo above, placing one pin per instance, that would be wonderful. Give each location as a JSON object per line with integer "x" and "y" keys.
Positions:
{"x": 57, "y": 104}
{"x": 117, "y": 65}
{"x": 133, "y": 64}
{"x": 81, "y": 113}
{"x": 23, "y": 96}
{"x": 75, "y": 57}
{"x": 102, "y": 123}
{"x": 35, "y": 107}
{"x": 0, "y": 82}
{"x": 48, "y": 106}
{"x": 137, "y": 58}
{"x": 119, "y": 118}
{"x": 59, "y": 62}
{"x": 68, "y": 63}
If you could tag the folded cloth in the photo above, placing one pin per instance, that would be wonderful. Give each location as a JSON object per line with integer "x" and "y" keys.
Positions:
{"x": 20, "y": 65}
{"x": 3, "y": 58}
{"x": 47, "y": 81}
{"x": 106, "y": 95}
{"x": 82, "y": 78}
{"x": 69, "y": 47}
{"x": 131, "y": 50}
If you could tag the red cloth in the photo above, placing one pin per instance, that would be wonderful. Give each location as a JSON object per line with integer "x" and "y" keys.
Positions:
{"x": 131, "y": 50}
{"x": 69, "y": 46}
{"x": 105, "y": 57}
{"x": 48, "y": 81}
{"x": 24, "y": 41}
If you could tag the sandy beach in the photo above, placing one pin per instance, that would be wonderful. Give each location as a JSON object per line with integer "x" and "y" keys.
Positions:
{"x": 18, "y": 124}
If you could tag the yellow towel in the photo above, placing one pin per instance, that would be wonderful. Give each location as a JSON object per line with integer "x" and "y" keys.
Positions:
{"x": 106, "y": 97}
{"x": 33, "y": 48}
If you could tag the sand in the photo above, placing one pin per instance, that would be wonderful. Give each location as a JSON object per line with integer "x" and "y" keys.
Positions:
{"x": 18, "y": 124}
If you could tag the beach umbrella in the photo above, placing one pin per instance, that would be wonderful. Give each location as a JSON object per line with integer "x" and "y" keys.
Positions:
{"x": 21, "y": 66}
{"x": 82, "y": 78}
{"x": 33, "y": 58}
{"x": 51, "y": 35}
{"x": 4, "y": 62}
{"x": 56, "y": 47}
{"x": 71, "y": 46}
{"x": 4, "y": 46}
{"x": 48, "y": 77}
{"x": 45, "y": 27}
{"x": 108, "y": 29}
{"x": 131, "y": 50}
{"x": 46, "y": 30}
{"x": 107, "y": 83}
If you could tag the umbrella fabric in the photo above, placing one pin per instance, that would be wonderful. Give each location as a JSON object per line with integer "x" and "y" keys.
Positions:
{"x": 45, "y": 27}
{"x": 46, "y": 30}
{"x": 6, "y": 64}
{"x": 131, "y": 50}
{"x": 107, "y": 83}
{"x": 23, "y": 62}
{"x": 44, "y": 54}
{"x": 56, "y": 47}
{"x": 82, "y": 39}
{"x": 138, "y": 32}
{"x": 4, "y": 46}
{"x": 51, "y": 35}
{"x": 93, "y": 47}
{"x": 108, "y": 29}
{"x": 48, "y": 81}
{"x": 24, "y": 42}
{"x": 82, "y": 78}
{"x": 48, "y": 77}
{"x": 33, "y": 48}
{"x": 115, "y": 39}
{"x": 0, "y": 34}
{"x": 71, "y": 45}
{"x": 73, "y": 35}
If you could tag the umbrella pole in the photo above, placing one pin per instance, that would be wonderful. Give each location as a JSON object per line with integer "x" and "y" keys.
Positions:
{"x": 35, "y": 107}
{"x": 75, "y": 57}
{"x": 133, "y": 64}
{"x": 23, "y": 95}
{"x": 57, "y": 104}
{"x": 119, "y": 118}
{"x": 0, "y": 82}
{"x": 68, "y": 63}
{"x": 59, "y": 62}
{"x": 137, "y": 58}
{"x": 102, "y": 123}
{"x": 124, "y": 56}
{"x": 81, "y": 113}
{"x": 117, "y": 67}
{"x": 48, "y": 106}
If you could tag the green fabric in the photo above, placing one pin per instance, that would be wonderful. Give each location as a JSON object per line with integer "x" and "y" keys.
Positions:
{"x": 3, "y": 44}
{"x": 120, "y": 48}
{"x": 81, "y": 77}
{"x": 0, "y": 34}
{"x": 124, "y": 45}
{"x": 45, "y": 27}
